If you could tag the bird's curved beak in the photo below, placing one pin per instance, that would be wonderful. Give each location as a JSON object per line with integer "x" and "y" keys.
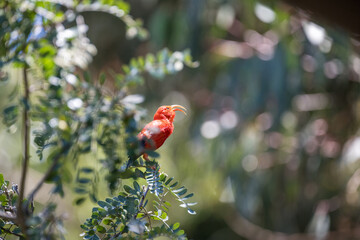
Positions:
{"x": 178, "y": 108}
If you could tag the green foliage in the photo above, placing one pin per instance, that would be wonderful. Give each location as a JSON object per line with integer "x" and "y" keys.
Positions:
{"x": 10, "y": 115}
{"x": 11, "y": 111}
{"x": 46, "y": 224}
{"x": 128, "y": 215}
{"x": 152, "y": 176}
{"x": 8, "y": 198}
{"x": 179, "y": 193}
{"x": 158, "y": 66}
{"x": 160, "y": 185}
{"x": 76, "y": 116}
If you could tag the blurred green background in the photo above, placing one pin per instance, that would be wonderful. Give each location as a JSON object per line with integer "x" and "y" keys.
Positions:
{"x": 271, "y": 145}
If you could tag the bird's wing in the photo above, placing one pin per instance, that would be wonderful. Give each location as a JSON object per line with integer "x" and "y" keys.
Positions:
{"x": 155, "y": 133}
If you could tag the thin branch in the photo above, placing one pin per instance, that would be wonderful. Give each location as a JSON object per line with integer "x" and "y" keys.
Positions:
{"x": 65, "y": 148}
{"x": 26, "y": 136}
{"x": 138, "y": 166}
{"x": 143, "y": 198}
{"x": 10, "y": 232}
{"x": 25, "y": 164}
{"x": 56, "y": 160}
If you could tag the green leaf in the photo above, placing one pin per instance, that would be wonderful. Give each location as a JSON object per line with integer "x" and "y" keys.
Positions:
{"x": 128, "y": 173}
{"x": 100, "y": 229}
{"x": 190, "y": 211}
{"x": 180, "y": 233}
{"x": 185, "y": 205}
{"x": 139, "y": 173}
{"x": 136, "y": 186}
{"x": 39, "y": 140}
{"x": 87, "y": 77}
{"x": 3, "y": 200}
{"x": 128, "y": 189}
{"x": 2, "y": 223}
{"x": 10, "y": 115}
{"x": 1, "y": 180}
{"x": 107, "y": 221}
{"x": 162, "y": 177}
{"x": 168, "y": 181}
{"x": 187, "y": 196}
{"x": 175, "y": 226}
{"x": 178, "y": 193}
{"x": 16, "y": 230}
{"x": 182, "y": 192}
{"x": 86, "y": 170}
{"x": 102, "y": 78}
{"x": 162, "y": 215}
{"x": 83, "y": 180}
{"x": 174, "y": 185}
{"x": 104, "y": 204}
{"x": 178, "y": 190}
{"x": 79, "y": 201}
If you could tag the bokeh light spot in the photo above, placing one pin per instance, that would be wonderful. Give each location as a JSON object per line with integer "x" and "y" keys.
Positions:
{"x": 178, "y": 66}
{"x": 250, "y": 163}
{"x": 315, "y": 33}
{"x": 333, "y": 68}
{"x": 229, "y": 119}
{"x": 225, "y": 16}
{"x": 351, "y": 152}
{"x": 289, "y": 120}
{"x": 264, "y": 13}
{"x": 54, "y": 122}
{"x": 210, "y": 129}
{"x": 264, "y": 121}
{"x": 326, "y": 45}
{"x": 75, "y": 103}
{"x": 311, "y": 102}
{"x": 320, "y": 127}
{"x": 308, "y": 63}
{"x": 71, "y": 79}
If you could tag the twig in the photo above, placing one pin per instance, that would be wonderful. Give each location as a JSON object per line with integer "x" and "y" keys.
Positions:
{"x": 143, "y": 198}
{"x": 21, "y": 217}
{"x": 49, "y": 171}
{"x": 65, "y": 148}
{"x": 138, "y": 166}
{"x": 148, "y": 214}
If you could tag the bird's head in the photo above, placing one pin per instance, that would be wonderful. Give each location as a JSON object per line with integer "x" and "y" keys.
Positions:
{"x": 168, "y": 112}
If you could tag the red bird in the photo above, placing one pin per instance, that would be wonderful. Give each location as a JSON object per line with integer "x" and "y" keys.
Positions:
{"x": 157, "y": 131}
